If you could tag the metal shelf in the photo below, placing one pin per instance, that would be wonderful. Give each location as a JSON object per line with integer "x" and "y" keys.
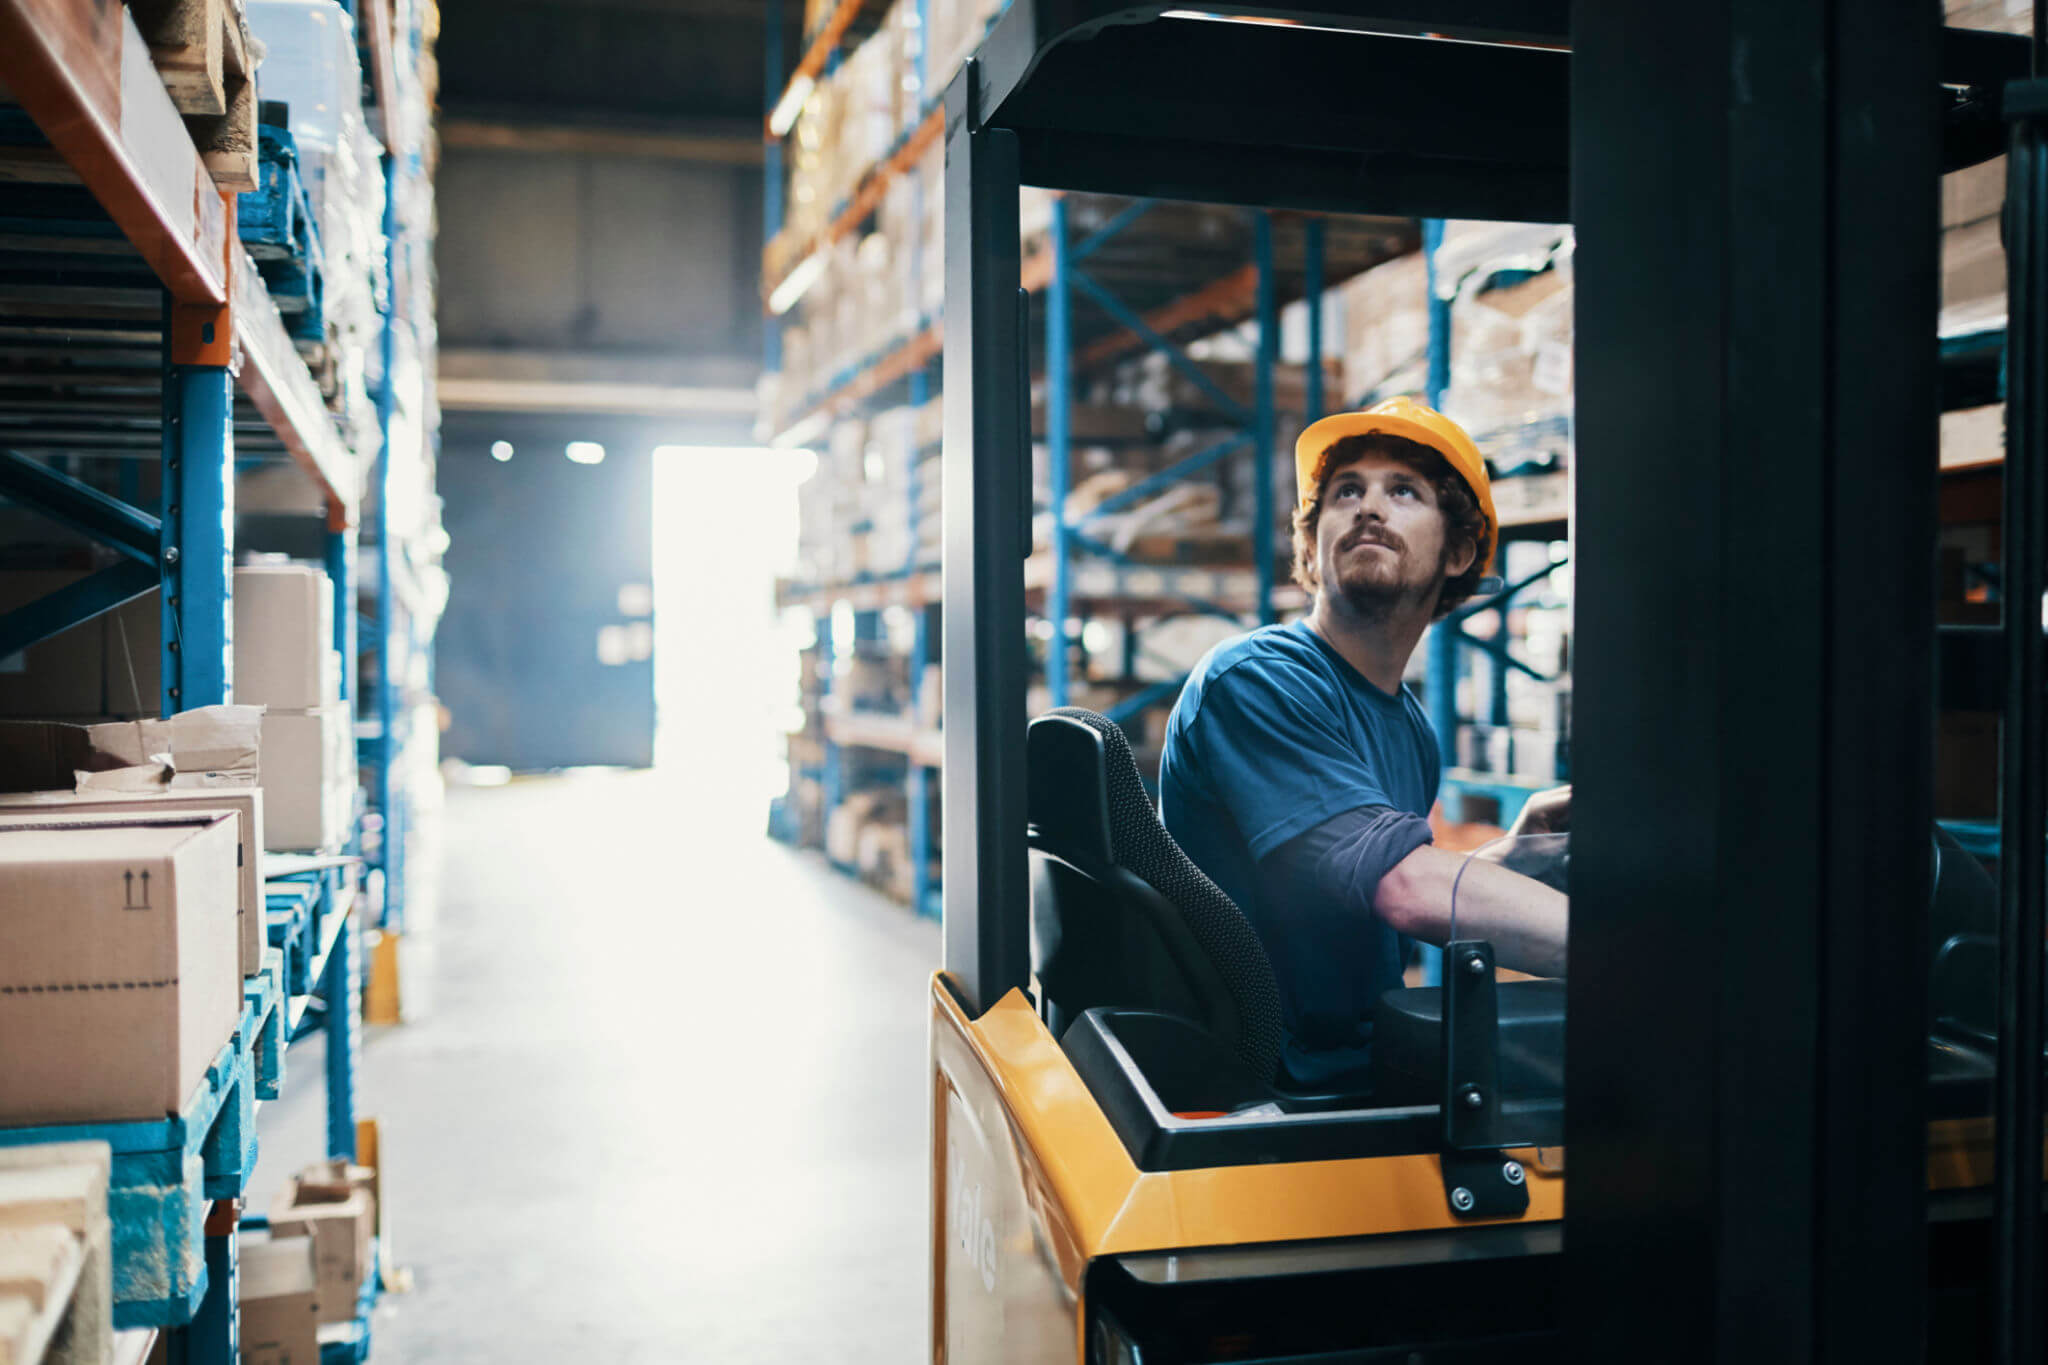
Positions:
{"x": 136, "y": 334}
{"x": 890, "y": 734}
{"x": 167, "y": 1171}
{"x": 1215, "y": 248}
{"x": 82, "y": 75}
{"x": 848, "y": 16}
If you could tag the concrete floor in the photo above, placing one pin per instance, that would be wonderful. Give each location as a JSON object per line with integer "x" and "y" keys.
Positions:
{"x": 666, "y": 1099}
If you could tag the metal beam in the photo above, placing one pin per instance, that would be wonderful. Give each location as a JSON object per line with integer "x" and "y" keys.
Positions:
{"x": 1263, "y": 416}
{"x": 73, "y": 604}
{"x": 1751, "y": 846}
{"x": 2023, "y": 799}
{"x": 718, "y": 147}
{"x": 987, "y": 537}
{"x": 198, "y": 538}
{"x": 79, "y": 506}
{"x": 83, "y": 74}
{"x": 1175, "y": 356}
{"x": 1059, "y": 447}
{"x": 1172, "y": 474}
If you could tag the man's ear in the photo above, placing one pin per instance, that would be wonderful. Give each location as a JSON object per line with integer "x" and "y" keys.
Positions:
{"x": 1461, "y": 558}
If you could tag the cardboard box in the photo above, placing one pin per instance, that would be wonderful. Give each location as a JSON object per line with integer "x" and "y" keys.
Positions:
{"x": 1972, "y": 263}
{"x": 279, "y": 1301}
{"x": 309, "y": 776}
{"x": 284, "y": 637}
{"x": 120, "y": 972}
{"x": 244, "y": 803}
{"x": 339, "y": 1225}
{"x": 1973, "y": 194}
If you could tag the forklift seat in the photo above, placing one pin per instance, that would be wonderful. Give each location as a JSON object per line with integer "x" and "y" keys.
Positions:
{"x": 1120, "y": 916}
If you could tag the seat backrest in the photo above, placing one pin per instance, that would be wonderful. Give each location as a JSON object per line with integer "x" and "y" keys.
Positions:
{"x": 1120, "y": 915}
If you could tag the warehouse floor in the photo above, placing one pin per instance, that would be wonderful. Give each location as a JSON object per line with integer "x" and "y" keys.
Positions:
{"x": 665, "y": 1100}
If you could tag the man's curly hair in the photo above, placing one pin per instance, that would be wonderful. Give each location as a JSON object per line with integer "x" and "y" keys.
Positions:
{"x": 1463, "y": 523}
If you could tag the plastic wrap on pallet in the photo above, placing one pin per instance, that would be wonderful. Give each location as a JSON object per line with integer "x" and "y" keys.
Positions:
{"x": 310, "y": 63}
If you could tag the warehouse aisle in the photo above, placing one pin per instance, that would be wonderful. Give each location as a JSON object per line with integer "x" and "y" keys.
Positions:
{"x": 669, "y": 1103}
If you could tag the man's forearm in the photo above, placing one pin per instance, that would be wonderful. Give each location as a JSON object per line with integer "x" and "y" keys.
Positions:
{"x": 1523, "y": 919}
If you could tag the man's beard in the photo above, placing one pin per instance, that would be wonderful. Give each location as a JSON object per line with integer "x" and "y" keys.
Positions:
{"x": 1378, "y": 596}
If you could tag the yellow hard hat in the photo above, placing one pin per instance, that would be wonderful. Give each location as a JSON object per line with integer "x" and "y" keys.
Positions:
{"x": 1406, "y": 418}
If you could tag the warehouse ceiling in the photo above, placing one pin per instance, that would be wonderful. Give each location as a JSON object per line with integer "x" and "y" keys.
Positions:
{"x": 693, "y": 62}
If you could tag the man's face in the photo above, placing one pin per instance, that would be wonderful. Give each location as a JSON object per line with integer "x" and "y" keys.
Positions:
{"x": 1381, "y": 538}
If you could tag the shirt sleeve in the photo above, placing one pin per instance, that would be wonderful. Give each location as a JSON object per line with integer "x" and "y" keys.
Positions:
{"x": 1343, "y": 858}
{"x": 1276, "y": 758}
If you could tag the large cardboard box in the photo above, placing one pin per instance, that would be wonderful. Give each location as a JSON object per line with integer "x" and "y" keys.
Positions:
{"x": 280, "y": 1301}
{"x": 309, "y": 776}
{"x": 284, "y": 637}
{"x": 339, "y": 1220}
{"x": 119, "y": 964}
{"x": 245, "y": 803}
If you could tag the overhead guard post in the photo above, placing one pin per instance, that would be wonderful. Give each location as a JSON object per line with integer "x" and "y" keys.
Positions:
{"x": 987, "y": 536}
{"x": 2023, "y": 798}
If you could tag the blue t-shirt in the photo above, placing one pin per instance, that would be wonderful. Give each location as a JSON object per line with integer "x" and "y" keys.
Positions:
{"x": 1274, "y": 734}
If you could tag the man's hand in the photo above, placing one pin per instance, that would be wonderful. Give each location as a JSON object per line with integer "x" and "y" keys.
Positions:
{"x": 1545, "y": 813}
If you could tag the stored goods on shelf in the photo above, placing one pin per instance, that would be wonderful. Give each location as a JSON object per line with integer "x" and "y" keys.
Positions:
{"x": 309, "y": 768}
{"x": 209, "y": 746}
{"x": 202, "y": 54}
{"x": 120, "y": 978}
{"x": 1386, "y": 330}
{"x": 339, "y": 1216}
{"x": 284, "y": 637}
{"x": 56, "y": 1290}
{"x": 245, "y": 804}
{"x": 111, "y": 666}
{"x": 1511, "y": 329}
{"x": 311, "y": 65}
{"x": 279, "y": 1299}
{"x": 303, "y": 760}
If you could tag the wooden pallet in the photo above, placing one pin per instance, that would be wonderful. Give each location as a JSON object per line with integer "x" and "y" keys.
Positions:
{"x": 56, "y": 1263}
{"x": 200, "y": 49}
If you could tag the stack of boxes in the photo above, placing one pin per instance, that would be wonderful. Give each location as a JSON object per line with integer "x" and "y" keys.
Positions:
{"x": 285, "y": 662}
{"x": 308, "y": 1270}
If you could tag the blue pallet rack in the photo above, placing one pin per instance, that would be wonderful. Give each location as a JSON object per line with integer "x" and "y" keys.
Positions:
{"x": 139, "y": 357}
{"x": 1254, "y": 423}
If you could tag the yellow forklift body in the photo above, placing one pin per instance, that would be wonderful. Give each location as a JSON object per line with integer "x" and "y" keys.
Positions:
{"x": 1033, "y": 1184}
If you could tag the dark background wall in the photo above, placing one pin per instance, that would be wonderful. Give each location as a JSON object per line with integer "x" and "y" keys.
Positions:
{"x": 599, "y": 256}
{"x": 539, "y": 548}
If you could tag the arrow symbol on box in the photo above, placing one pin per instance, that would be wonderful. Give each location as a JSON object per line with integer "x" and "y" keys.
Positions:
{"x": 128, "y": 895}
{"x": 145, "y": 889}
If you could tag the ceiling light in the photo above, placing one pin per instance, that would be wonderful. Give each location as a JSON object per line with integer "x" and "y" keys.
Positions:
{"x": 796, "y": 283}
{"x": 501, "y": 451}
{"x": 790, "y": 105}
{"x": 584, "y": 452}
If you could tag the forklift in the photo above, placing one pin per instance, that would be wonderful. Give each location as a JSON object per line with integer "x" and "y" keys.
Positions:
{"x": 1801, "y": 1089}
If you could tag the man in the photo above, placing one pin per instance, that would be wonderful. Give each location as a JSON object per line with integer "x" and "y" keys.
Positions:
{"x": 1299, "y": 772}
